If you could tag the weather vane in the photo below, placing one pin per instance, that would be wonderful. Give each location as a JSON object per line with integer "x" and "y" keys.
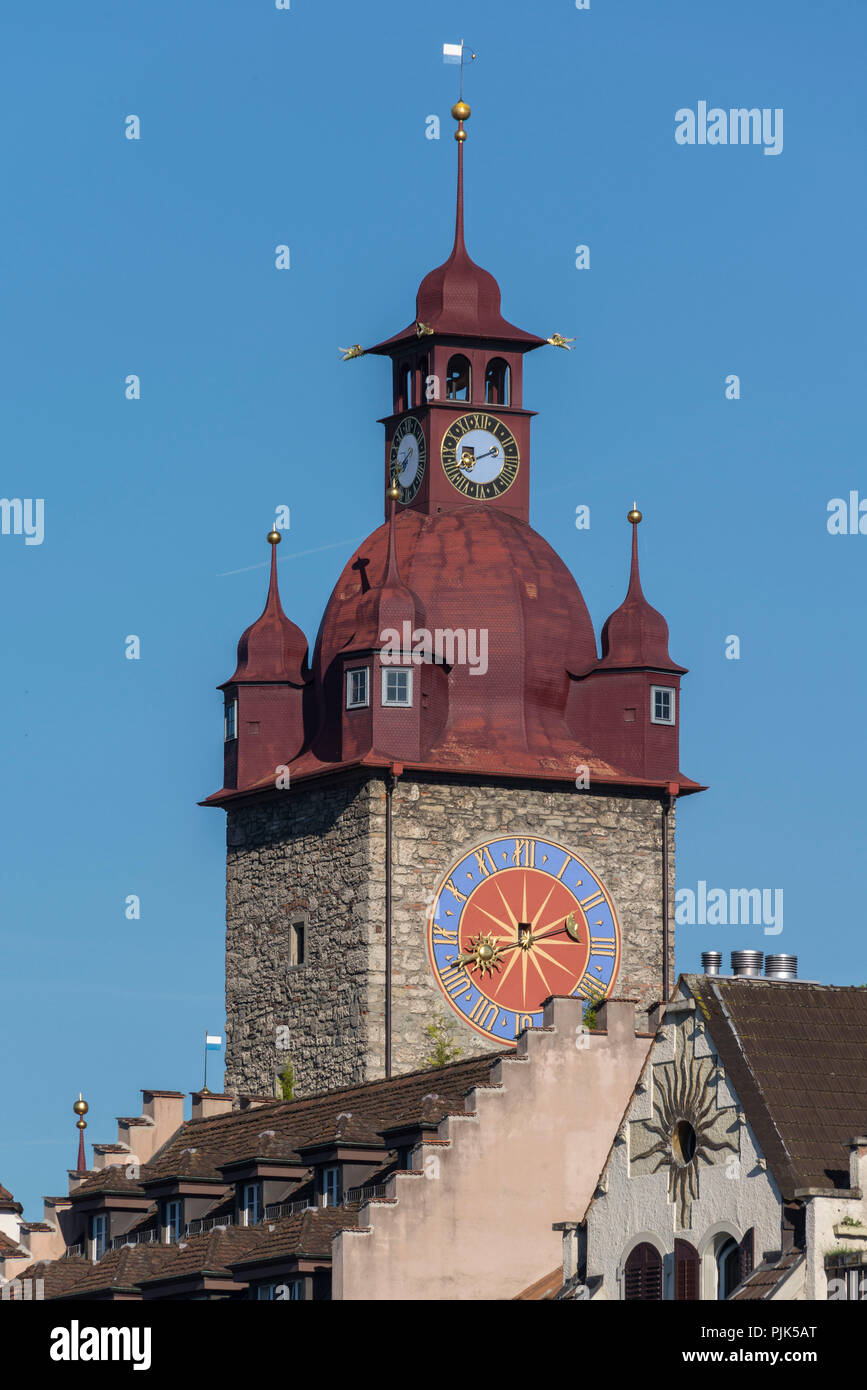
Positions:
{"x": 454, "y": 53}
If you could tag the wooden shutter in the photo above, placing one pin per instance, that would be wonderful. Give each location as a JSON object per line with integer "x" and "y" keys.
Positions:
{"x": 745, "y": 1252}
{"x": 686, "y": 1270}
{"x": 643, "y": 1274}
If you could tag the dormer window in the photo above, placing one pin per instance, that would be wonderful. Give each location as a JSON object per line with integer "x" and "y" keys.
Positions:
{"x": 98, "y": 1234}
{"x": 331, "y": 1193}
{"x": 250, "y": 1203}
{"x": 173, "y": 1221}
{"x": 497, "y": 382}
{"x": 458, "y": 379}
{"x": 357, "y": 688}
{"x": 230, "y": 721}
{"x": 662, "y": 704}
{"x": 396, "y": 685}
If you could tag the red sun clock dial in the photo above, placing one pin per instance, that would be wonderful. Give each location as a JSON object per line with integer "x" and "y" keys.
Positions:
{"x": 514, "y": 921}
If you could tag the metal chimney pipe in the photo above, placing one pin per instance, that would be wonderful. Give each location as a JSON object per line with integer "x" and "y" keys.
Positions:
{"x": 711, "y": 962}
{"x": 781, "y": 967}
{"x": 747, "y": 962}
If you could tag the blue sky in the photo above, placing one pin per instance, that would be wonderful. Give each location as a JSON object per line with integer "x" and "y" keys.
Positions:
{"x": 156, "y": 257}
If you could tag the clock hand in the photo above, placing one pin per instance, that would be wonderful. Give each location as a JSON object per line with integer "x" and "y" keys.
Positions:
{"x": 492, "y": 453}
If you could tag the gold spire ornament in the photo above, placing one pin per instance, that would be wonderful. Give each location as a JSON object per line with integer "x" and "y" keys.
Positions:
{"x": 393, "y": 493}
{"x": 274, "y": 537}
{"x": 634, "y": 516}
{"x": 557, "y": 340}
{"x": 81, "y": 1108}
{"x": 355, "y": 351}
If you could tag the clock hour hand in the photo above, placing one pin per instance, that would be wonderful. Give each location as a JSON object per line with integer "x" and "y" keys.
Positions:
{"x": 492, "y": 453}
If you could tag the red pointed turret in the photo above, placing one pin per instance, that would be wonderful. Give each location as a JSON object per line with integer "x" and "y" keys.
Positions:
{"x": 636, "y": 635}
{"x": 459, "y": 298}
{"x": 264, "y": 698}
{"x": 272, "y": 648}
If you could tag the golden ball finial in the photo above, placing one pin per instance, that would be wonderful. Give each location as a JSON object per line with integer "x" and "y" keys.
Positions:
{"x": 634, "y": 516}
{"x": 81, "y": 1107}
{"x": 274, "y": 537}
{"x": 461, "y": 135}
{"x": 461, "y": 111}
{"x": 393, "y": 493}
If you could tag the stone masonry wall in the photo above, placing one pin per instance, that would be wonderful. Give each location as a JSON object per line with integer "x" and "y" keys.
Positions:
{"x": 306, "y": 854}
{"x": 319, "y": 852}
{"x": 435, "y": 822}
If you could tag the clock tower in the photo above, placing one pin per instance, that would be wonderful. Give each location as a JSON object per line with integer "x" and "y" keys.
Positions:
{"x": 458, "y": 432}
{"x": 456, "y": 807}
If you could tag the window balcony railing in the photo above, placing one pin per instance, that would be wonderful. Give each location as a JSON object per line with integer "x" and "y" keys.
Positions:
{"x": 135, "y": 1238}
{"x": 277, "y": 1210}
{"x": 207, "y": 1223}
{"x": 357, "y": 1196}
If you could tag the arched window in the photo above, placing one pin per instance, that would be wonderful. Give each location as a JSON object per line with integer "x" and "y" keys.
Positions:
{"x": 642, "y": 1277}
{"x": 458, "y": 381}
{"x": 728, "y": 1265}
{"x": 407, "y": 399}
{"x": 497, "y": 382}
{"x": 686, "y": 1270}
{"x": 421, "y": 368}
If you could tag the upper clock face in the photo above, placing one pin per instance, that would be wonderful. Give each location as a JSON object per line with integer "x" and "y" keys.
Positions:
{"x": 480, "y": 456}
{"x": 514, "y": 921}
{"x": 408, "y": 457}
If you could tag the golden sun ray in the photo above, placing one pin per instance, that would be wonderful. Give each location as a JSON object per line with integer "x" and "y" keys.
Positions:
{"x": 505, "y": 975}
{"x": 537, "y": 951}
{"x": 534, "y": 962}
{"x": 541, "y": 909}
{"x": 504, "y": 925}
{"x": 512, "y": 916}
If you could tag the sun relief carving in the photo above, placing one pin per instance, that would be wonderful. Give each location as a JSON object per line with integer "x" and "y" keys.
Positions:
{"x": 686, "y": 1129}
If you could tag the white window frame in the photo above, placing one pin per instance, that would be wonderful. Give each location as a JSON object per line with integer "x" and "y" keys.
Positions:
{"x": 98, "y": 1222}
{"x": 173, "y": 1220}
{"x": 397, "y": 704}
{"x": 331, "y": 1186}
{"x": 356, "y": 671}
{"x": 249, "y": 1206}
{"x": 663, "y": 690}
{"x": 233, "y": 706}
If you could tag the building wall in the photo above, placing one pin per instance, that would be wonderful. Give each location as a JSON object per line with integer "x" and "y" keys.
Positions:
{"x": 474, "y": 1221}
{"x": 321, "y": 850}
{"x": 735, "y": 1191}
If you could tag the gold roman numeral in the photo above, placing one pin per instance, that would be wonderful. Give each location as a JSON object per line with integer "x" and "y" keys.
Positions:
{"x": 483, "y": 1011}
{"x": 592, "y": 901}
{"x": 527, "y": 848}
{"x": 456, "y": 892}
{"x": 480, "y": 860}
{"x": 443, "y": 937}
{"x": 456, "y": 980}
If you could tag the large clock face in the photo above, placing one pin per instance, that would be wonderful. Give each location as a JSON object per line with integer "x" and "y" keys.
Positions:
{"x": 407, "y": 457}
{"x": 480, "y": 456}
{"x": 514, "y": 921}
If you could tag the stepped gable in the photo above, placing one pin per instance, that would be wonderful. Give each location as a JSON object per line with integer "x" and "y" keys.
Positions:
{"x": 795, "y": 1053}
{"x": 374, "y": 1106}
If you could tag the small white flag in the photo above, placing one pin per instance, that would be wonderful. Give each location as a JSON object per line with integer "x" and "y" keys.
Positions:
{"x": 212, "y": 1042}
{"x": 453, "y": 52}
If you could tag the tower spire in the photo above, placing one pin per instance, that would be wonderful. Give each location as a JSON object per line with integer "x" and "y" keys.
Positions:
{"x": 81, "y": 1108}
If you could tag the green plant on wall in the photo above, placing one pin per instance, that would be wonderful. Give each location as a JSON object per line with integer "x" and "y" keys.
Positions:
{"x": 286, "y": 1081}
{"x": 442, "y": 1033}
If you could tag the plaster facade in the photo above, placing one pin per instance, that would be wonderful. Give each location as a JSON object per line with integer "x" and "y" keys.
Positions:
{"x": 640, "y": 1194}
{"x": 473, "y": 1219}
